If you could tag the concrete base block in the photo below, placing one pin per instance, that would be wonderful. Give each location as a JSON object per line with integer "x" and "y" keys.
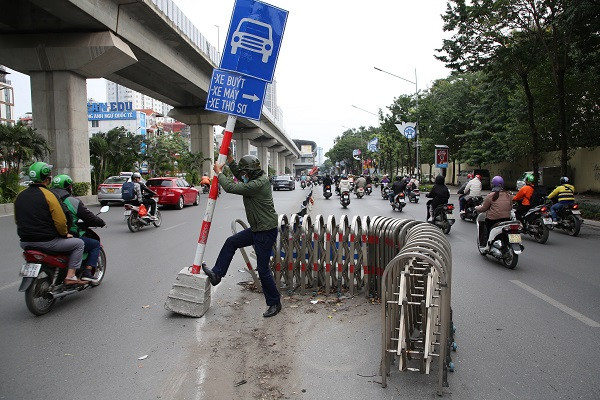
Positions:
{"x": 190, "y": 294}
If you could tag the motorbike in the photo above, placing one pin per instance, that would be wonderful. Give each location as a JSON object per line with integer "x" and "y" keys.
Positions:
{"x": 303, "y": 184}
{"x": 135, "y": 222}
{"x": 43, "y": 275}
{"x": 413, "y": 195}
{"x": 360, "y": 192}
{"x": 537, "y": 223}
{"x": 470, "y": 214}
{"x": 369, "y": 189}
{"x": 205, "y": 188}
{"x": 503, "y": 241}
{"x": 569, "y": 219}
{"x": 443, "y": 217}
{"x": 345, "y": 199}
{"x": 385, "y": 191}
{"x": 327, "y": 191}
{"x": 399, "y": 202}
{"x": 337, "y": 189}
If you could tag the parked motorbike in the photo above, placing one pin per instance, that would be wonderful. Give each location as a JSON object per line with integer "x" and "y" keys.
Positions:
{"x": 360, "y": 192}
{"x": 327, "y": 191}
{"x": 413, "y": 195}
{"x": 503, "y": 241}
{"x": 443, "y": 217}
{"x": 43, "y": 275}
{"x": 369, "y": 189}
{"x": 345, "y": 199}
{"x": 135, "y": 222}
{"x": 470, "y": 213}
{"x": 385, "y": 191}
{"x": 537, "y": 223}
{"x": 399, "y": 202}
{"x": 569, "y": 219}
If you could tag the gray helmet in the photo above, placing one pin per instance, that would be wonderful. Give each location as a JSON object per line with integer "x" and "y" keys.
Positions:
{"x": 249, "y": 163}
{"x": 135, "y": 175}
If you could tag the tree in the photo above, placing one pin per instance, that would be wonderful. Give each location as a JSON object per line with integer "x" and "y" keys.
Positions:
{"x": 20, "y": 144}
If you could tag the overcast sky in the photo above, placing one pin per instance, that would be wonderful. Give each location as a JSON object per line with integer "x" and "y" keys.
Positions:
{"x": 327, "y": 59}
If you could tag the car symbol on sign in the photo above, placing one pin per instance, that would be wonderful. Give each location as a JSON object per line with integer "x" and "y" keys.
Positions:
{"x": 254, "y": 36}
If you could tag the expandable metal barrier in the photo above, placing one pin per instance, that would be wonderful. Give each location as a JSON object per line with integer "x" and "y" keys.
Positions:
{"x": 405, "y": 263}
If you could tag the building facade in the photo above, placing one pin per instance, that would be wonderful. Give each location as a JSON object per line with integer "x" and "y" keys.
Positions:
{"x": 7, "y": 99}
{"x": 308, "y": 152}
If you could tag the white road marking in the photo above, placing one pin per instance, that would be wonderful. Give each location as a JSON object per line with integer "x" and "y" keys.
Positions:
{"x": 9, "y": 285}
{"x": 174, "y": 226}
{"x": 559, "y": 305}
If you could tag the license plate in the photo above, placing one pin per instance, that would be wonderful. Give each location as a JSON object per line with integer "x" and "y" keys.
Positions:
{"x": 110, "y": 190}
{"x": 449, "y": 215}
{"x": 417, "y": 197}
{"x": 514, "y": 238}
{"x": 547, "y": 221}
{"x": 30, "y": 270}
{"x": 576, "y": 212}
{"x": 127, "y": 212}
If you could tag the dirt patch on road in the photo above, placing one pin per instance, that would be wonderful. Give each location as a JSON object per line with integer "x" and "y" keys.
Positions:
{"x": 245, "y": 356}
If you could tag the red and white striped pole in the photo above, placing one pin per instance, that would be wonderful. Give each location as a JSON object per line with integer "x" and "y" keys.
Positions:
{"x": 212, "y": 196}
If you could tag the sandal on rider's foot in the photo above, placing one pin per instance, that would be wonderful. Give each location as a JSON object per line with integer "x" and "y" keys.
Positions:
{"x": 73, "y": 281}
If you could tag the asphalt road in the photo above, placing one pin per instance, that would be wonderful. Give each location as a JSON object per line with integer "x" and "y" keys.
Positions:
{"x": 528, "y": 333}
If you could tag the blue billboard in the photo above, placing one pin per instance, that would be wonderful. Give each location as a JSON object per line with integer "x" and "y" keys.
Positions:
{"x": 116, "y": 110}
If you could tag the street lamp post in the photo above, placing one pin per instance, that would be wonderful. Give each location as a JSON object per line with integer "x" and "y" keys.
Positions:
{"x": 417, "y": 100}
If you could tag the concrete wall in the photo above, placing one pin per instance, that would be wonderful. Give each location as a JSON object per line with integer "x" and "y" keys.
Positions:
{"x": 585, "y": 168}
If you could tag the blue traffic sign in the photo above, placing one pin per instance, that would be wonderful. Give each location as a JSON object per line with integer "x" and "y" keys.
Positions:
{"x": 410, "y": 132}
{"x": 253, "y": 39}
{"x": 235, "y": 94}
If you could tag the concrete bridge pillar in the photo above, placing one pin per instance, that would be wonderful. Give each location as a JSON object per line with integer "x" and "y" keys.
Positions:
{"x": 274, "y": 161}
{"x": 202, "y": 132}
{"x": 58, "y": 65}
{"x": 282, "y": 162}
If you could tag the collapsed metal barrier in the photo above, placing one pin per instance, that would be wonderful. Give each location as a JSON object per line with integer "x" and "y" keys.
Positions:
{"x": 405, "y": 263}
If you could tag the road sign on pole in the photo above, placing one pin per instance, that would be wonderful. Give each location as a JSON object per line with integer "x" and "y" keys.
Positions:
{"x": 235, "y": 94}
{"x": 254, "y": 39}
{"x": 408, "y": 129}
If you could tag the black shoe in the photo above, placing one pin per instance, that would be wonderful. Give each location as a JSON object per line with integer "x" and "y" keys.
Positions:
{"x": 272, "y": 310}
{"x": 88, "y": 276}
{"x": 212, "y": 277}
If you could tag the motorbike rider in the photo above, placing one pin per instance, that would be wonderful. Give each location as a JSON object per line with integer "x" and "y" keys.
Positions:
{"x": 369, "y": 179}
{"x": 566, "y": 196}
{"x": 360, "y": 182}
{"x": 497, "y": 204}
{"x": 472, "y": 189}
{"x": 262, "y": 218}
{"x": 439, "y": 195}
{"x": 205, "y": 180}
{"x": 42, "y": 223}
{"x": 462, "y": 193}
{"x": 344, "y": 184}
{"x": 397, "y": 187}
{"x": 140, "y": 190}
{"x": 384, "y": 182}
{"x": 327, "y": 182}
{"x": 62, "y": 187}
{"x": 523, "y": 197}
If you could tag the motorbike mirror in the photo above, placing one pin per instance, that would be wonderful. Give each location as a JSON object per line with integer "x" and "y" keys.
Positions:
{"x": 104, "y": 209}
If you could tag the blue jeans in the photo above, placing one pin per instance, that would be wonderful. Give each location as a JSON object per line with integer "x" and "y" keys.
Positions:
{"x": 92, "y": 247}
{"x": 556, "y": 208}
{"x": 263, "y": 243}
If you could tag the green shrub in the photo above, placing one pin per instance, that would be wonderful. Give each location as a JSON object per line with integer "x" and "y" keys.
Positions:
{"x": 81, "y": 188}
{"x": 589, "y": 210}
{"x": 425, "y": 188}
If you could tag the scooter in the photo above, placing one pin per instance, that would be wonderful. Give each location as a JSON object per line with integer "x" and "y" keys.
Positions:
{"x": 537, "y": 223}
{"x": 399, "y": 202}
{"x": 369, "y": 189}
{"x": 345, "y": 199}
{"x": 327, "y": 191}
{"x": 205, "y": 188}
{"x": 385, "y": 191}
{"x": 135, "y": 221}
{"x": 303, "y": 184}
{"x": 443, "y": 217}
{"x": 43, "y": 275}
{"x": 413, "y": 195}
{"x": 503, "y": 241}
{"x": 470, "y": 213}
{"x": 360, "y": 192}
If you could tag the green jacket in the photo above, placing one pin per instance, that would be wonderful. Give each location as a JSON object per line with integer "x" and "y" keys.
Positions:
{"x": 257, "y": 196}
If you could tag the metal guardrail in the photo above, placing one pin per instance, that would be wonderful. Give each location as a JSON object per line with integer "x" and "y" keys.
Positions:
{"x": 405, "y": 263}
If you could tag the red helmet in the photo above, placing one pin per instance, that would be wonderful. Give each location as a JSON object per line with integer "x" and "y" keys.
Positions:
{"x": 478, "y": 176}
{"x": 470, "y": 176}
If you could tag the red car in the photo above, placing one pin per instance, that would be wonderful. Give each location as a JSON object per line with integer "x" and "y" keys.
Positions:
{"x": 174, "y": 192}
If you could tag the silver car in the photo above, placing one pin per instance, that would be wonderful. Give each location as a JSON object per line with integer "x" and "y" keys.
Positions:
{"x": 110, "y": 189}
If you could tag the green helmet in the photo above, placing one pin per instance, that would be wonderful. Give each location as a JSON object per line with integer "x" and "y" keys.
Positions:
{"x": 62, "y": 181}
{"x": 249, "y": 163}
{"x": 39, "y": 171}
{"x": 529, "y": 178}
